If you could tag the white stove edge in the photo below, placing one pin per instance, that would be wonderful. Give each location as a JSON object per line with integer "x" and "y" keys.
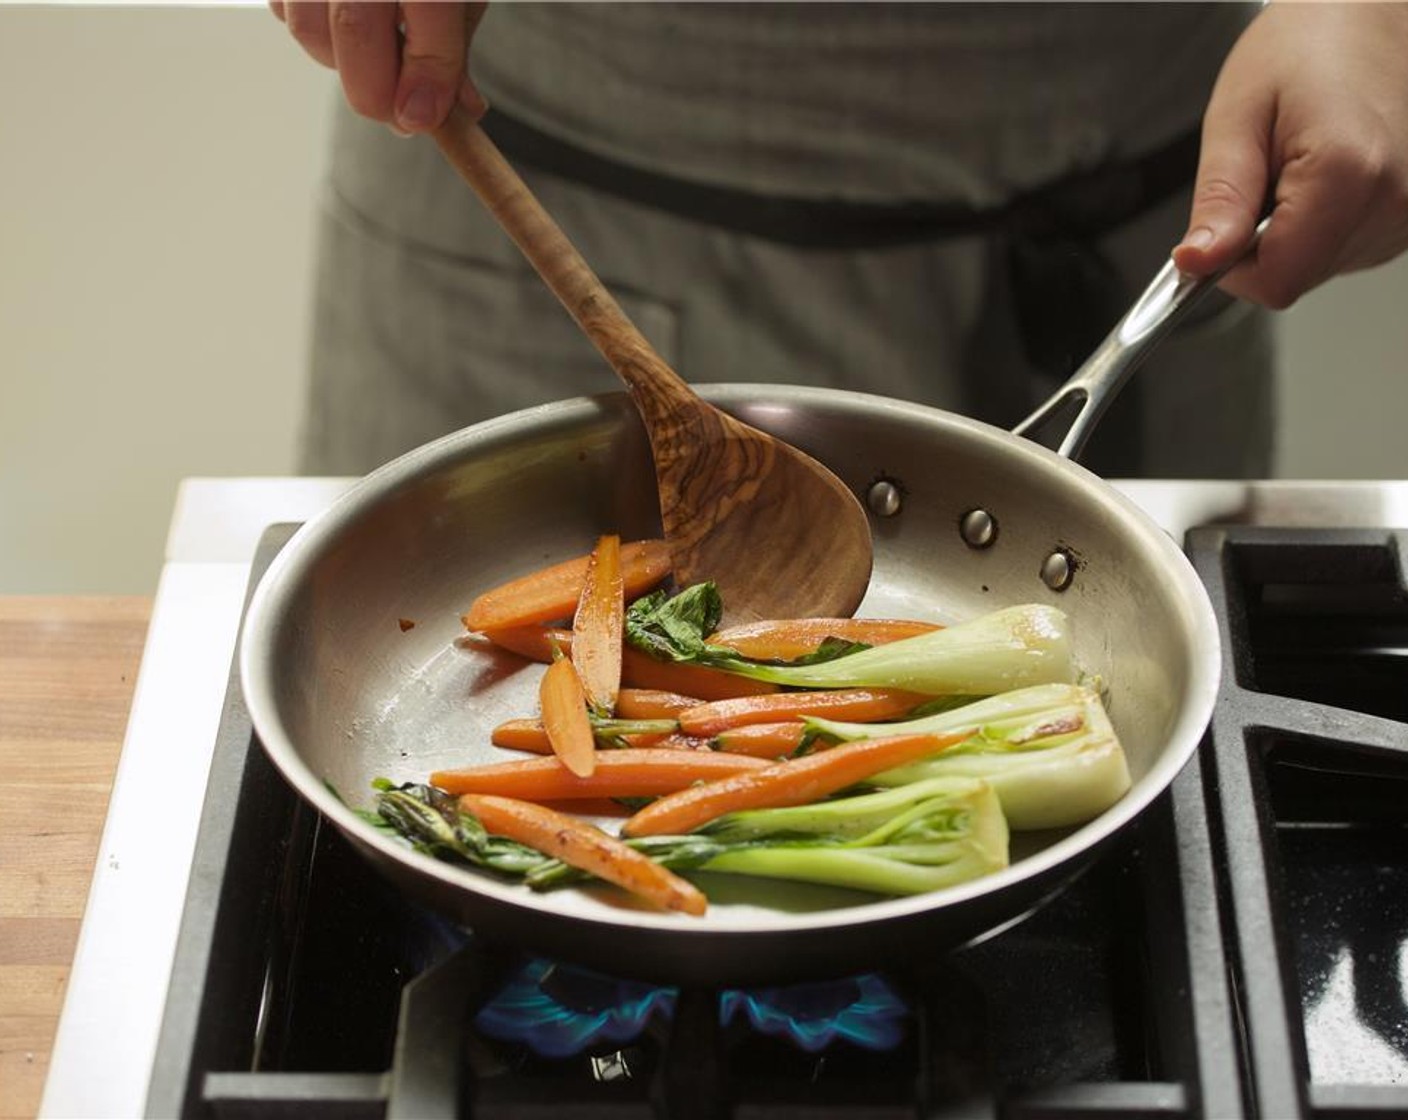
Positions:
{"x": 106, "y": 1042}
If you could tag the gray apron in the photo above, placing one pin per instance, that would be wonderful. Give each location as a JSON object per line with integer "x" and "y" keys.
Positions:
{"x": 973, "y": 290}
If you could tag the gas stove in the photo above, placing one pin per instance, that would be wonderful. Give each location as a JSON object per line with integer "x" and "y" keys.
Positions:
{"x": 1241, "y": 951}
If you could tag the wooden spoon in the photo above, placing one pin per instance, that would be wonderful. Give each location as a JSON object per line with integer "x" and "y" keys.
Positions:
{"x": 780, "y": 535}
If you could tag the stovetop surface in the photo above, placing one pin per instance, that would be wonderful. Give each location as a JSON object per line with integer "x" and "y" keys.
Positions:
{"x": 1284, "y": 835}
{"x": 1243, "y": 950}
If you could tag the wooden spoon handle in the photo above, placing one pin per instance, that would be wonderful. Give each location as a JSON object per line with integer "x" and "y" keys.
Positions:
{"x": 657, "y": 389}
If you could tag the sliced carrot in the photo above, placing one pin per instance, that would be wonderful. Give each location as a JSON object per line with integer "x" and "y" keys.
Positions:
{"x": 630, "y": 772}
{"x": 652, "y": 703}
{"x": 530, "y": 735}
{"x": 794, "y": 782}
{"x": 522, "y": 735}
{"x": 565, "y": 718}
{"x": 585, "y": 846}
{"x": 762, "y": 740}
{"x": 537, "y": 643}
{"x": 597, "y": 626}
{"x": 640, "y": 670}
{"x": 674, "y": 742}
{"x": 859, "y": 705}
{"x": 553, "y": 593}
{"x": 785, "y": 639}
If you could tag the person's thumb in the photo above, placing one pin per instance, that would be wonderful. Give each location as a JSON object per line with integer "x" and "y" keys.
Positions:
{"x": 1230, "y": 189}
{"x": 436, "y": 38}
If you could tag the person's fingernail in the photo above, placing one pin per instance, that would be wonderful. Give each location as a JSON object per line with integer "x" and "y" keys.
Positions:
{"x": 418, "y": 110}
{"x": 1200, "y": 238}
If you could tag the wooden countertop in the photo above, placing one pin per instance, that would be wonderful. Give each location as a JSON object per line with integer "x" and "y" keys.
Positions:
{"x": 68, "y": 666}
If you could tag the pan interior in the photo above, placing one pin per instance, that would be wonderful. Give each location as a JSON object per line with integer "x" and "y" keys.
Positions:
{"x": 357, "y": 665}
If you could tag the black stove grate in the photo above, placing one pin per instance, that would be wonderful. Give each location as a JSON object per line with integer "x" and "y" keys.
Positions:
{"x": 1310, "y": 763}
{"x": 1163, "y": 982}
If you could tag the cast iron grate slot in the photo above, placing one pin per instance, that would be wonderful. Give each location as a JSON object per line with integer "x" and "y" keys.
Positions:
{"x": 1325, "y": 622}
{"x": 1323, "y": 785}
{"x": 1342, "y": 831}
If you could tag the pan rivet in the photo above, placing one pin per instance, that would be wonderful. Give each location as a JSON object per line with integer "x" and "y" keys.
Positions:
{"x": 1057, "y": 570}
{"x": 883, "y": 498}
{"x": 978, "y": 527}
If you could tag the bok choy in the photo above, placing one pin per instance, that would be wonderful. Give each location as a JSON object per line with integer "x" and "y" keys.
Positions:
{"x": 919, "y": 837}
{"x": 996, "y": 652}
{"x": 432, "y": 821}
{"x": 1049, "y": 752}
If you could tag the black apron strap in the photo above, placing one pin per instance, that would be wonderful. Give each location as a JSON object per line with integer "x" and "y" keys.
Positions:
{"x": 1081, "y": 206}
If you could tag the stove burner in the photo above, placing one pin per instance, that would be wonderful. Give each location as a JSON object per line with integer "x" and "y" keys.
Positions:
{"x": 562, "y": 1010}
{"x": 559, "y": 1011}
{"x": 863, "y": 1010}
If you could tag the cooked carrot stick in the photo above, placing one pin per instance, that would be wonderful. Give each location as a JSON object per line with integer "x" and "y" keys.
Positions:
{"x": 674, "y": 742}
{"x": 530, "y": 735}
{"x": 652, "y": 703}
{"x": 785, "y": 639}
{"x": 553, "y": 593}
{"x": 860, "y": 705}
{"x": 640, "y": 670}
{"x": 794, "y": 782}
{"x": 597, "y": 626}
{"x": 586, "y": 847}
{"x": 522, "y": 735}
{"x": 565, "y": 718}
{"x": 537, "y": 643}
{"x": 631, "y": 772}
{"x": 762, "y": 740}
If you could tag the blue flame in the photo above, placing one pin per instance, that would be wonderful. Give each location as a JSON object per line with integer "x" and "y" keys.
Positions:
{"x": 863, "y": 1010}
{"x": 526, "y": 1011}
{"x": 559, "y": 1011}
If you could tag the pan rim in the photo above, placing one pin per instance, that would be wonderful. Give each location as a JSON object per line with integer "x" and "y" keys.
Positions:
{"x": 270, "y": 598}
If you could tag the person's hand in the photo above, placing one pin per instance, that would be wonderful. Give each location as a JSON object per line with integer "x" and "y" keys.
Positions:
{"x": 1311, "y": 104}
{"x": 403, "y": 64}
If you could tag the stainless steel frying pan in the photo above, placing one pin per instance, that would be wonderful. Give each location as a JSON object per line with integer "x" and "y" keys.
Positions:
{"x": 340, "y": 694}
{"x": 967, "y": 518}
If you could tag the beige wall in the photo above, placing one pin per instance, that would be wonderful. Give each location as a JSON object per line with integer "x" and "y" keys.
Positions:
{"x": 1343, "y": 353}
{"x": 157, "y": 176}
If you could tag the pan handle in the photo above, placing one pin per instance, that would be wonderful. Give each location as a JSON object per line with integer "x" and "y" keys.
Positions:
{"x": 1082, "y": 400}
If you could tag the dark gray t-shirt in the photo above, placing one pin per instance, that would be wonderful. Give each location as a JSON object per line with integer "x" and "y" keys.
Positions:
{"x": 878, "y": 102}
